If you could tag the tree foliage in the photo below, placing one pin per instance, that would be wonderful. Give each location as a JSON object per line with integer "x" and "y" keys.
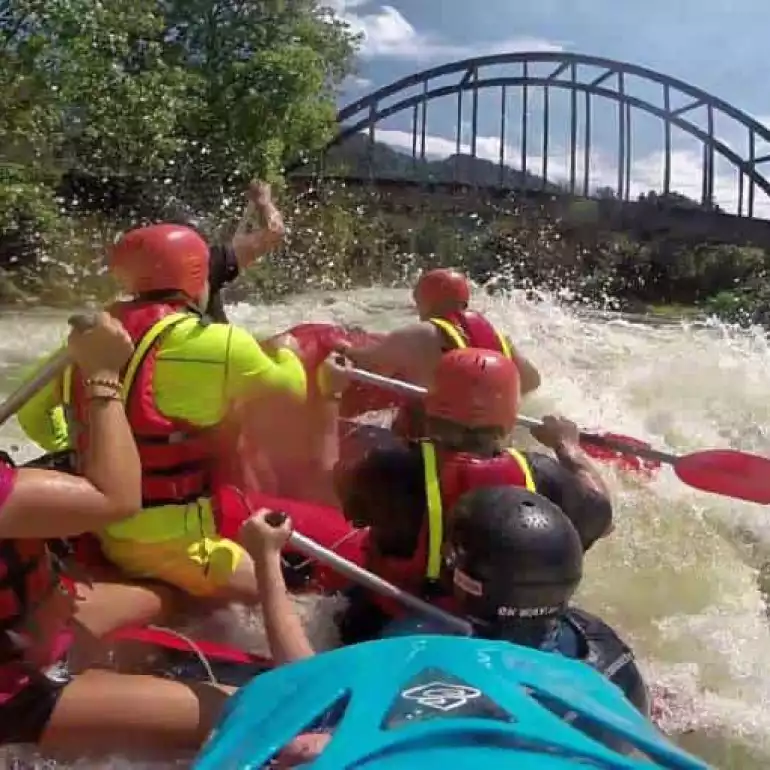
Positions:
{"x": 190, "y": 95}
{"x": 185, "y": 99}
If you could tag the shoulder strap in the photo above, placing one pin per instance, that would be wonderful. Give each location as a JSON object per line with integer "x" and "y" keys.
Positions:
{"x": 505, "y": 347}
{"x": 435, "y": 510}
{"x": 151, "y": 336}
{"x": 526, "y": 469}
{"x": 451, "y": 331}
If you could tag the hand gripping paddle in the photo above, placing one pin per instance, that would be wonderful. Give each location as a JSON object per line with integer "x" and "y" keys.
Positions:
{"x": 367, "y": 579}
{"x": 49, "y": 371}
{"x": 725, "y": 472}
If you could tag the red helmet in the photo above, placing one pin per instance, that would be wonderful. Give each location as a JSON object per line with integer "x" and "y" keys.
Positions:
{"x": 442, "y": 290}
{"x": 476, "y": 388}
{"x": 161, "y": 258}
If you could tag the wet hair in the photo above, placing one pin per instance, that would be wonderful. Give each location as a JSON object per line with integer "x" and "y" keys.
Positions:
{"x": 461, "y": 438}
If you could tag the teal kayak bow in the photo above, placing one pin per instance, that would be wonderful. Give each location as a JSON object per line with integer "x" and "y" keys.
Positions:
{"x": 412, "y": 702}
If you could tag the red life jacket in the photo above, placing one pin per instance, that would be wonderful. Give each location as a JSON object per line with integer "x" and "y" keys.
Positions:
{"x": 463, "y": 329}
{"x": 28, "y": 574}
{"x": 448, "y": 476}
{"x": 468, "y": 329}
{"x": 176, "y": 456}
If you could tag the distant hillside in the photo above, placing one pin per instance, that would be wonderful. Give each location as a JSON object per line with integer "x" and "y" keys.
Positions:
{"x": 352, "y": 159}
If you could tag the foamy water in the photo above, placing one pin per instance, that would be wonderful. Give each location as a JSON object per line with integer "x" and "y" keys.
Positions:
{"x": 677, "y": 577}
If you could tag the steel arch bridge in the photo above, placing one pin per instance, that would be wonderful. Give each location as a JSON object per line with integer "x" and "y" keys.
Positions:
{"x": 568, "y": 71}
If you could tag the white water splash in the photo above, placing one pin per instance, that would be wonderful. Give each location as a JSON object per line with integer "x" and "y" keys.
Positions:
{"x": 677, "y": 577}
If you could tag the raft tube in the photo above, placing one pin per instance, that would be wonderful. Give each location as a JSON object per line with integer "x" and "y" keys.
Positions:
{"x": 431, "y": 701}
{"x": 323, "y": 524}
{"x": 317, "y": 341}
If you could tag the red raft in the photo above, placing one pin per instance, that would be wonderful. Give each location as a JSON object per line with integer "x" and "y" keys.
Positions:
{"x": 317, "y": 341}
{"x": 323, "y": 524}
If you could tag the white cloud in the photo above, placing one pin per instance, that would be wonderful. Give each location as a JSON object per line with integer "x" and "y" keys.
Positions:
{"x": 646, "y": 171}
{"x": 387, "y": 33}
{"x": 356, "y": 83}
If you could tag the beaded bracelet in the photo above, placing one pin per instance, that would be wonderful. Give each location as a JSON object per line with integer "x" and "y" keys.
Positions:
{"x": 116, "y": 383}
{"x": 103, "y": 390}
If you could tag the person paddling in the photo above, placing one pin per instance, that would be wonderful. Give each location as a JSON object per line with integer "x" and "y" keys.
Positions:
{"x": 516, "y": 563}
{"x": 405, "y": 494}
{"x": 517, "y": 560}
{"x": 413, "y": 352}
{"x": 177, "y": 388}
{"x": 45, "y": 615}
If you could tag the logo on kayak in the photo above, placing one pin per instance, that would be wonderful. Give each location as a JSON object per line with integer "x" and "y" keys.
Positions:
{"x": 442, "y": 696}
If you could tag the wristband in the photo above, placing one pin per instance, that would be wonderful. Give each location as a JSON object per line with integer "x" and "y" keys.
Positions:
{"x": 111, "y": 395}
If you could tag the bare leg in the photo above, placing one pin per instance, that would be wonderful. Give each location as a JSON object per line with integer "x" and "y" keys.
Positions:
{"x": 102, "y": 712}
{"x": 105, "y": 607}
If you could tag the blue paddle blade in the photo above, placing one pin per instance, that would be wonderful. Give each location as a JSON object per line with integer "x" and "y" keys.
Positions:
{"x": 408, "y": 702}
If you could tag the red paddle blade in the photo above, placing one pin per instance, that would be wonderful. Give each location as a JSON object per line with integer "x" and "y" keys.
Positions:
{"x": 727, "y": 472}
{"x": 622, "y": 460}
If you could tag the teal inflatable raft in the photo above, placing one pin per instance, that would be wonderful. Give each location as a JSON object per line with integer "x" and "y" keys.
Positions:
{"x": 438, "y": 701}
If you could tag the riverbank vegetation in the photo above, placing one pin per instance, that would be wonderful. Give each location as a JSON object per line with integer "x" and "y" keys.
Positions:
{"x": 114, "y": 113}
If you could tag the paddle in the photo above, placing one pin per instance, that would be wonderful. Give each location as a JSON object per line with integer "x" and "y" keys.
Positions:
{"x": 369, "y": 580}
{"x": 171, "y": 638}
{"x": 48, "y": 372}
{"x": 724, "y": 472}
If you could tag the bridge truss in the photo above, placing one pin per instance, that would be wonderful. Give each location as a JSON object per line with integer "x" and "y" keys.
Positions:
{"x": 578, "y": 75}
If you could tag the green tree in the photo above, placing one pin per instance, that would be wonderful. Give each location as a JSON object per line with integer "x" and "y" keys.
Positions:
{"x": 263, "y": 80}
{"x": 28, "y": 122}
{"x": 187, "y": 95}
{"x": 111, "y": 100}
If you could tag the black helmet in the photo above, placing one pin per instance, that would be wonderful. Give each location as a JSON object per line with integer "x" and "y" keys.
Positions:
{"x": 518, "y": 560}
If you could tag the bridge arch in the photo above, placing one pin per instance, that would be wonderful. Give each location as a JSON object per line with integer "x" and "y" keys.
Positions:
{"x": 365, "y": 113}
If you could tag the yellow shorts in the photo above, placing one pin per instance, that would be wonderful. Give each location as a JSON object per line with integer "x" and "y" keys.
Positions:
{"x": 199, "y": 565}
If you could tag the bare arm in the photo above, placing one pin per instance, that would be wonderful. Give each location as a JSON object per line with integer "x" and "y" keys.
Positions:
{"x": 396, "y": 353}
{"x": 250, "y": 245}
{"x": 48, "y": 504}
{"x": 112, "y": 462}
{"x": 572, "y": 481}
{"x": 563, "y": 481}
{"x": 285, "y": 633}
{"x": 528, "y": 374}
{"x": 586, "y": 472}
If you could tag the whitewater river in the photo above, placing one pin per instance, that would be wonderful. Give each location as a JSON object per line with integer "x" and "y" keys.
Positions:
{"x": 677, "y": 577}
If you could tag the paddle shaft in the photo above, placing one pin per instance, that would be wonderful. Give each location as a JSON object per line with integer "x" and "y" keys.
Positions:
{"x": 417, "y": 391}
{"x": 374, "y": 583}
{"x": 52, "y": 369}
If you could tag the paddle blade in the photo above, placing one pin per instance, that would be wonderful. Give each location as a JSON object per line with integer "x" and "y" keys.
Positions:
{"x": 625, "y": 461}
{"x": 727, "y": 472}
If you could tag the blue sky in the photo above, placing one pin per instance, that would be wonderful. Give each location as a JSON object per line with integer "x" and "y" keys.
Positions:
{"x": 716, "y": 45}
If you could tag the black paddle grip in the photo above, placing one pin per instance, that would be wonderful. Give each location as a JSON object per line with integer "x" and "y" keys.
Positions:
{"x": 276, "y": 518}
